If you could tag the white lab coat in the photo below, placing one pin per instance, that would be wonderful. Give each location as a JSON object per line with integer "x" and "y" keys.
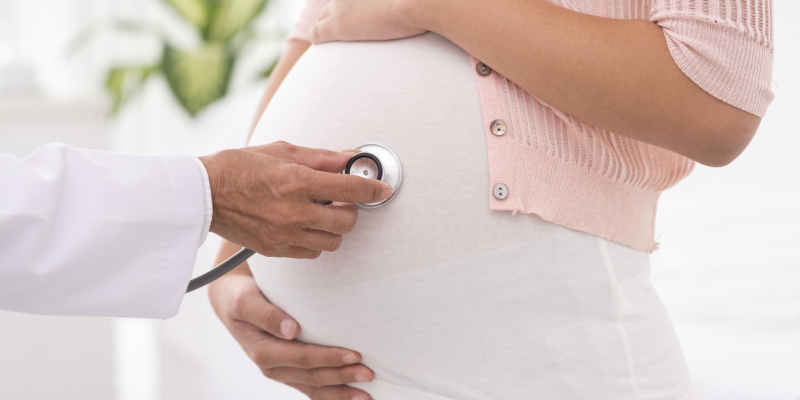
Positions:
{"x": 94, "y": 233}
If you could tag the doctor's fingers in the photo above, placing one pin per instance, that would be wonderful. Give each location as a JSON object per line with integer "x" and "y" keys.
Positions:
{"x": 316, "y": 159}
{"x": 319, "y": 377}
{"x": 338, "y": 218}
{"x": 340, "y": 392}
{"x": 345, "y": 188}
{"x": 316, "y": 240}
{"x": 283, "y": 250}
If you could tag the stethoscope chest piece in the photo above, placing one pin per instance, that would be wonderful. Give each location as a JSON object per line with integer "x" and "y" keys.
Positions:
{"x": 376, "y": 161}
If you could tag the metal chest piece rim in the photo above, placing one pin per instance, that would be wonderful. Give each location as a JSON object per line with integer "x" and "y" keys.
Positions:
{"x": 388, "y": 166}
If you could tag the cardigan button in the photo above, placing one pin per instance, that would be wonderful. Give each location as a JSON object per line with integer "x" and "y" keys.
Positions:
{"x": 498, "y": 127}
{"x": 483, "y": 69}
{"x": 500, "y": 191}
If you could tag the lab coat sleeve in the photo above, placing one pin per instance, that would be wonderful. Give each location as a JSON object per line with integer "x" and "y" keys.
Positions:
{"x": 98, "y": 234}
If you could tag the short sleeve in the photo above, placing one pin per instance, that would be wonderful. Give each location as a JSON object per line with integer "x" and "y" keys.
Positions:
{"x": 724, "y": 46}
{"x": 307, "y": 20}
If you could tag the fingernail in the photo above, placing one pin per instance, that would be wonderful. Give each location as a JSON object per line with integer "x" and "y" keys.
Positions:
{"x": 386, "y": 193}
{"x": 357, "y": 398}
{"x": 350, "y": 358}
{"x": 350, "y": 152}
{"x": 361, "y": 378}
{"x": 287, "y": 328}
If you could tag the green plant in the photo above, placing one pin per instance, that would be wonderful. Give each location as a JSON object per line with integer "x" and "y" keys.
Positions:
{"x": 199, "y": 76}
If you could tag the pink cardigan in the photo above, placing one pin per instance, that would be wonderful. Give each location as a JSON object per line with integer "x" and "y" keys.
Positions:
{"x": 585, "y": 178}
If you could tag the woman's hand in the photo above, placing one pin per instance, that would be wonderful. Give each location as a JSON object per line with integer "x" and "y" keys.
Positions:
{"x": 266, "y": 334}
{"x": 352, "y": 20}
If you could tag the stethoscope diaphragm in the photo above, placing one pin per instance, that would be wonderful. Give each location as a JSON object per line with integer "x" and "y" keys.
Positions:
{"x": 376, "y": 161}
{"x": 365, "y": 165}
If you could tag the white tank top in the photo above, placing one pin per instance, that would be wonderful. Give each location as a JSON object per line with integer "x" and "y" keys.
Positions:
{"x": 443, "y": 297}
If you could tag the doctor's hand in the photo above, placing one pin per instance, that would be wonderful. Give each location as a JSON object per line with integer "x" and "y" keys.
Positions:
{"x": 265, "y": 198}
{"x": 352, "y": 20}
{"x": 266, "y": 334}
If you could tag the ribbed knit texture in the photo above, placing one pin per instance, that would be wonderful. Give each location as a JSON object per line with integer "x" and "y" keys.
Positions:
{"x": 585, "y": 178}
{"x": 725, "y": 46}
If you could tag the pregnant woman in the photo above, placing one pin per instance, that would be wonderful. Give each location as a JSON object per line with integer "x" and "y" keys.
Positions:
{"x": 513, "y": 264}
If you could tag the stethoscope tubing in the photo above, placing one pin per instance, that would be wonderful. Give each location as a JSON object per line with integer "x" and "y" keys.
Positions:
{"x": 221, "y": 269}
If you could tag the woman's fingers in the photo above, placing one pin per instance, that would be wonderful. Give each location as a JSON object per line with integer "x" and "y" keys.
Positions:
{"x": 325, "y": 12}
{"x": 321, "y": 376}
{"x": 253, "y": 308}
{"x": 322, "y": 31}
{"x": 361, "y": 20}
{"x": 270, "y": 352}
{"x": 331, "y": 392}
{"x": 258, "y": 326}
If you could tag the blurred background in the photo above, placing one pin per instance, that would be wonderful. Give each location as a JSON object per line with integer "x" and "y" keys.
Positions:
{"x": 155, "y": 76}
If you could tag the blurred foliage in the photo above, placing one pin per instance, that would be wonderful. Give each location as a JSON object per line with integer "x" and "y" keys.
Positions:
{"x": 267, "y": 72}
{"x": 199, "y": 76}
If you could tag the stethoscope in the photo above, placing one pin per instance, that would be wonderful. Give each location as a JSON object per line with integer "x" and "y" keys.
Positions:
{"x": 374, "y": 161}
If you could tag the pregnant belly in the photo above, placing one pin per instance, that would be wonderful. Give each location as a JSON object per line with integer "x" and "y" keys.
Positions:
{"x": 443, "y": 297}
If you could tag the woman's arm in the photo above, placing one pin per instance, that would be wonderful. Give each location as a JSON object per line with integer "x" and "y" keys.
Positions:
{"x": 618, "y": 75}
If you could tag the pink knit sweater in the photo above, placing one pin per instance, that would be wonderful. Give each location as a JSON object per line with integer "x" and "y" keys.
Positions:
{"x": 586, "y": 178}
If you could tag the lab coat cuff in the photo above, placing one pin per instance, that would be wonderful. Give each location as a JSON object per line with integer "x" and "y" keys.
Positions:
{"x": 209, "y": 206}
{"x": 188, "y": 211}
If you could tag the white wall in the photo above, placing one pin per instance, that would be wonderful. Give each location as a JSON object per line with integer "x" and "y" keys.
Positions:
{"x": 53, "y": 357}
{"x": 46, "y": 96}
{"x": 729, "y": 265}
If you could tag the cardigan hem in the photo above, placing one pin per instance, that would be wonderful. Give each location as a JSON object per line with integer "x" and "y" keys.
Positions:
{"x": 611, "y": 209}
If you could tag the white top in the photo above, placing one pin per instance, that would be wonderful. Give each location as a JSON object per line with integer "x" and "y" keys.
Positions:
{"x": 445, "y": 298}
{"x": 86, "y": 232}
